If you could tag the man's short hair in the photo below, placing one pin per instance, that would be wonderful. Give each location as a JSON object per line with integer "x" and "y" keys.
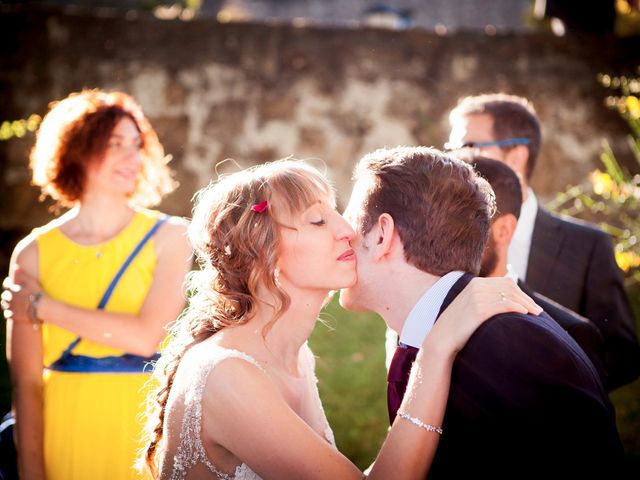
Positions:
{"x": 504, "y": 182}
{"x": 513, "y": 117}
{"x": 441, "y": 208}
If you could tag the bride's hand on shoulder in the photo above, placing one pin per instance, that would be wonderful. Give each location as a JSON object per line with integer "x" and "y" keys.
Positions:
{"x": 480, "y": 300}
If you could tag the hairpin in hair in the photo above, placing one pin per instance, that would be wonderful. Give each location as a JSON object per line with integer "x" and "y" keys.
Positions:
{"x": 260, "y": 207}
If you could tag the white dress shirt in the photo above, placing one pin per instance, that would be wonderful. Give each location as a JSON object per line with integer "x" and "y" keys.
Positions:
{"x": 424, "y": 313}
{"x": 520, "y": 246}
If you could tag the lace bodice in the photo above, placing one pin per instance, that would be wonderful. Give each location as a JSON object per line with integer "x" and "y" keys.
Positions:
{"x": 189, "y": 457}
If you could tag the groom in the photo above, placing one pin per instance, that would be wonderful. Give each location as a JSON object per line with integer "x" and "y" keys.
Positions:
{"x": 525, "y": 401}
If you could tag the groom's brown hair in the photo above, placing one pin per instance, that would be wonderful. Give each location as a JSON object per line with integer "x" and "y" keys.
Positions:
{"x": 440, "y": 206}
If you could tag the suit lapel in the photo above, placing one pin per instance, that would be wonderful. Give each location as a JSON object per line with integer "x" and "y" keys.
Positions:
{"x": 546, "y": 242}
{"x": 462, "y": 282}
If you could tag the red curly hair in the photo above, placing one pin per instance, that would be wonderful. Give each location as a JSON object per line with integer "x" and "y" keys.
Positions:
{"x": 75, "y": 133}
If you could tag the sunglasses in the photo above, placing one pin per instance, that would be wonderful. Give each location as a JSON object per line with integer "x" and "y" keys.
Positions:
{"x": 507, "y": 142}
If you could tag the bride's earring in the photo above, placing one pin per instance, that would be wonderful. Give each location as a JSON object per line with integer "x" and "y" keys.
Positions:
{"x": 276, "y": 277}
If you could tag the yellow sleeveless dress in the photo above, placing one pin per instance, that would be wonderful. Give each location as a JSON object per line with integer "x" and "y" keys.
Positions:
{"x": 92, "y": 425}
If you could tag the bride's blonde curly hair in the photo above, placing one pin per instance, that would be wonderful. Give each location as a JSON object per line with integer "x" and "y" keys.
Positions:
{"x": 237, "y": 250}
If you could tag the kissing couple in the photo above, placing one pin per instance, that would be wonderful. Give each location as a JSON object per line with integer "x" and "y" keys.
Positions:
{"x": 488, "y": 384}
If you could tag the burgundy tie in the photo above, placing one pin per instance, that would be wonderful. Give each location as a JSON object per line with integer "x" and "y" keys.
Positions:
{"x": 398, "y": 377}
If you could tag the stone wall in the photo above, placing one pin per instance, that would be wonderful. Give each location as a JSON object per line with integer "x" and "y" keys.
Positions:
{"x": 257, "y": 92}
{"x": 449, "y": 14}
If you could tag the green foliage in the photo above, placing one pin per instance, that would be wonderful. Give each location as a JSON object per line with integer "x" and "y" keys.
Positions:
{"x": 611, "y": 197}
{"x": 627, "y": 402}
{"x": 628, "y": 17}
{"x": 19, "y": 128}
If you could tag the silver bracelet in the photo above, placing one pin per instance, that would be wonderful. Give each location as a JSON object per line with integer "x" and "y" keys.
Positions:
{"x": 420, "y": 423}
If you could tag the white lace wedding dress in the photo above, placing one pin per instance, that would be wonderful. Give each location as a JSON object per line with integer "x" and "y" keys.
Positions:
{"x": 186, "y": 458}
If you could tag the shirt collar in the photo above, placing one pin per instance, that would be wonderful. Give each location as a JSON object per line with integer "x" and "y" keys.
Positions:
{"x": 424, "y": 313}
{"x": 529, "y": 210}
{"x": 520, "y": 245}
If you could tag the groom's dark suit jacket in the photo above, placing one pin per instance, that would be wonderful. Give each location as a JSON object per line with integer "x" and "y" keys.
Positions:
{"x": 525, "y": 402}
{"x": 573, "y": 263}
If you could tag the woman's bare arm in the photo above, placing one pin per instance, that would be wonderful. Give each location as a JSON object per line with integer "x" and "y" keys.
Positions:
{"x": 24, "y": 356}
{"x": 139, "y": 334}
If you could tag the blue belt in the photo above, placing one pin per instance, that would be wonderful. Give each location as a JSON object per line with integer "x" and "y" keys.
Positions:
{"x": 126, "y": 363}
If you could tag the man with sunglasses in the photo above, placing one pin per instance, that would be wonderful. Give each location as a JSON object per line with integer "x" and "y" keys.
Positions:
{"x": 566, "y": 260}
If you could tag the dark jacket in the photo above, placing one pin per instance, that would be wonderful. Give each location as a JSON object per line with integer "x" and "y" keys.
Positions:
{"x": 572, "y": 263}
{"x": 525, "y": 402}
{"x": 581, "y": 329}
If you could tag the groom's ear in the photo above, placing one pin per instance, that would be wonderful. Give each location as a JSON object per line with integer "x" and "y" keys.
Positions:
{"x": 384, "y": 236}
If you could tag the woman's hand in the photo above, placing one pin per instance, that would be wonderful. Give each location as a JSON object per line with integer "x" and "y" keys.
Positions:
{"x": 480, "y": 300}
{"x": 17, "y": 294}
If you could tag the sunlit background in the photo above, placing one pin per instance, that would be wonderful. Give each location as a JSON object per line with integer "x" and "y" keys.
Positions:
{"x": 330, "y": 80}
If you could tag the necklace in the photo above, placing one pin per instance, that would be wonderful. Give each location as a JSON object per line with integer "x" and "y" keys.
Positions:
{"x": 90, "y": 255}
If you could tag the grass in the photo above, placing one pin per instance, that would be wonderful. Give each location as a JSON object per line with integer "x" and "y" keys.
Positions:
{"x": 626, "y": 401}
{"x": 349, "y": 348}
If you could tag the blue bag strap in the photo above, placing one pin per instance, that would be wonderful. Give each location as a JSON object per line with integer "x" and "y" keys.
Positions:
{"x": 107, "y": 294}
{"x": 127, "y": 262}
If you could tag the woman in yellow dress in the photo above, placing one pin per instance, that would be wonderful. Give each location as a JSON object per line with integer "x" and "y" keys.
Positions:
{"x": 77, "y": 411}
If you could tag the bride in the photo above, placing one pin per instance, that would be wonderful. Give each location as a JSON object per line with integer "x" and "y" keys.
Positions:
{"x": 236, "y": 391}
